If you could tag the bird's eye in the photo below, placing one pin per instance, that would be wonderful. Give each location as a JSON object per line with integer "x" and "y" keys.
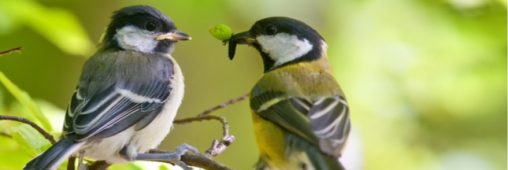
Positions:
{"x": 270, "y": 29}
{"x": 150, "y": 25}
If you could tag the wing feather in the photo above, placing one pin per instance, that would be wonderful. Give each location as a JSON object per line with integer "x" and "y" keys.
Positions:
{"x": 112, "y": 99}
{"x": 324, "y": 122}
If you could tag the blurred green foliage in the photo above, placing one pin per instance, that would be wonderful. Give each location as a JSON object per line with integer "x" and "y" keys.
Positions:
{"x": 25, "y": 99}
{"x": 59, "y": 26}
{"x": 426, "y": 80}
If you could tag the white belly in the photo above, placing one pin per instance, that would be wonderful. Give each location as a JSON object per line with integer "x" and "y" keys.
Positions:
{"x": 145, "y": 139}
{"x": 152, "y": 135}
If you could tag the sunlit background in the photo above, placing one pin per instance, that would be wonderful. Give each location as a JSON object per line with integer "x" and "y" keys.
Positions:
{"x": 426, "y": 80}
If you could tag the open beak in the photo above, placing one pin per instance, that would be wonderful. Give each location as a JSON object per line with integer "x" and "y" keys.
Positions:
{"x": 240, "y": 38}
{"x": 174, "y": 36}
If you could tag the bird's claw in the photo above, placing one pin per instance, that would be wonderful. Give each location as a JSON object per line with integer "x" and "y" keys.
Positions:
{"x": 184, "y": 148}
{"x": 180, "y": 151}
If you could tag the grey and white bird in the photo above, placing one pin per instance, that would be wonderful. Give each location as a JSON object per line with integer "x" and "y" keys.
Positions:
{"x": 128, "y": 94}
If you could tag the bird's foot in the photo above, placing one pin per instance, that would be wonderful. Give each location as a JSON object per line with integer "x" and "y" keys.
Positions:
{"x": 174, "y": 157}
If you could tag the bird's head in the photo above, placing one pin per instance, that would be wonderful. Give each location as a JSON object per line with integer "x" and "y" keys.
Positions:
{"x": 281, "y": 41}
{"x": 143, "y": 29}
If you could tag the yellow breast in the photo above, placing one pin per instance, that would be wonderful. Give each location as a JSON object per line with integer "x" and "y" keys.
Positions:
{"x": 270, "y": 140}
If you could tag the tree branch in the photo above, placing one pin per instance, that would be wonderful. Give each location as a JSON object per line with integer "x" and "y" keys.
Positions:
{"x": 197, "y": 160}
{"x": 223, "y": 105}
{"x": 46, "y": 135}
{"x": 12, "y": 50}
{"x": 217, "y": 146}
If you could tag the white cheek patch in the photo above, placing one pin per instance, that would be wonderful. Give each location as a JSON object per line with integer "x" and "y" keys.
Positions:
{"x": 133, "y": 38}
{"x": 283, "y": 47}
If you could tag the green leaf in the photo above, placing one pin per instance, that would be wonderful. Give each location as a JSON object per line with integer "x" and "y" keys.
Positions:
{"x": 53, "y": 113}
{"x": 59, "y": 26}
{"x": 29, "y": 139}
{"x": 163, "y": 167}
{"x": 221, "y": 32}
{"x": 25, "y": 100}
{"x": 12, "y": 154}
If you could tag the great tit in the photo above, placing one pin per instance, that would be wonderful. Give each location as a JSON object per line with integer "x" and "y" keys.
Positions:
{"x": 128, "y": 94}
{"x": 300, "y": 115}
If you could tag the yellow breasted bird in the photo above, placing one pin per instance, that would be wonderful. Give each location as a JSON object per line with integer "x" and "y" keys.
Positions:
{"x": 300, "y": 115}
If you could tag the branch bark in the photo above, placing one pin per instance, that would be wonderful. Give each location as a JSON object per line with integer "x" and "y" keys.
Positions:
{"x": 223, "y": 105}
{"x": 197, "y": 160}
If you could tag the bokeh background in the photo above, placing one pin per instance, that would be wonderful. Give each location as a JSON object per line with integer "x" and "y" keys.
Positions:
{"x": 426, "y": 80}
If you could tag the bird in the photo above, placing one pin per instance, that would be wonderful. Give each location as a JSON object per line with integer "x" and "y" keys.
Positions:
{"x": 300, "y": 114}
{"x": 127, "y": 96}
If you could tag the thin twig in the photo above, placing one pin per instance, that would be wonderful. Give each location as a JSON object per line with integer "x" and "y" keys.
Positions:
{"x": 197, "y": 160}
{"x": 46, "y": 135}
{"x": 81, "y": 156}
{"x": 17, "y": 49}
{"x": 225, "y": 128}
{"x": 217, "y": 146}
{"x": 223, "y": 105}
{"x": 227, "y": 139}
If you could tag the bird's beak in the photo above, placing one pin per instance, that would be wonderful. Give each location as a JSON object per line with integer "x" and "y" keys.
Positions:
{"x": 240, "y": 38}
{"x": 174, "y": 36}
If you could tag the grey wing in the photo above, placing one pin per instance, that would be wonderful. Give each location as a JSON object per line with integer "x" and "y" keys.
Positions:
{"x": 115, "y": 109}
{"x": 329, "y": 120}
{"x": 118, "y": 92}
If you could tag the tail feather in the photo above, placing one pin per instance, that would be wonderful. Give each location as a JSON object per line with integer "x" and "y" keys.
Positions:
{"x": 54, "y": 156}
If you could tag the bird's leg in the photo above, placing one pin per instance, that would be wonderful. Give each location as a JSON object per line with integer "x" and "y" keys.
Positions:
{"x": 168, "y": 156}
{"x": 71, "y": 162}
{"x": 81, "y": 165}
